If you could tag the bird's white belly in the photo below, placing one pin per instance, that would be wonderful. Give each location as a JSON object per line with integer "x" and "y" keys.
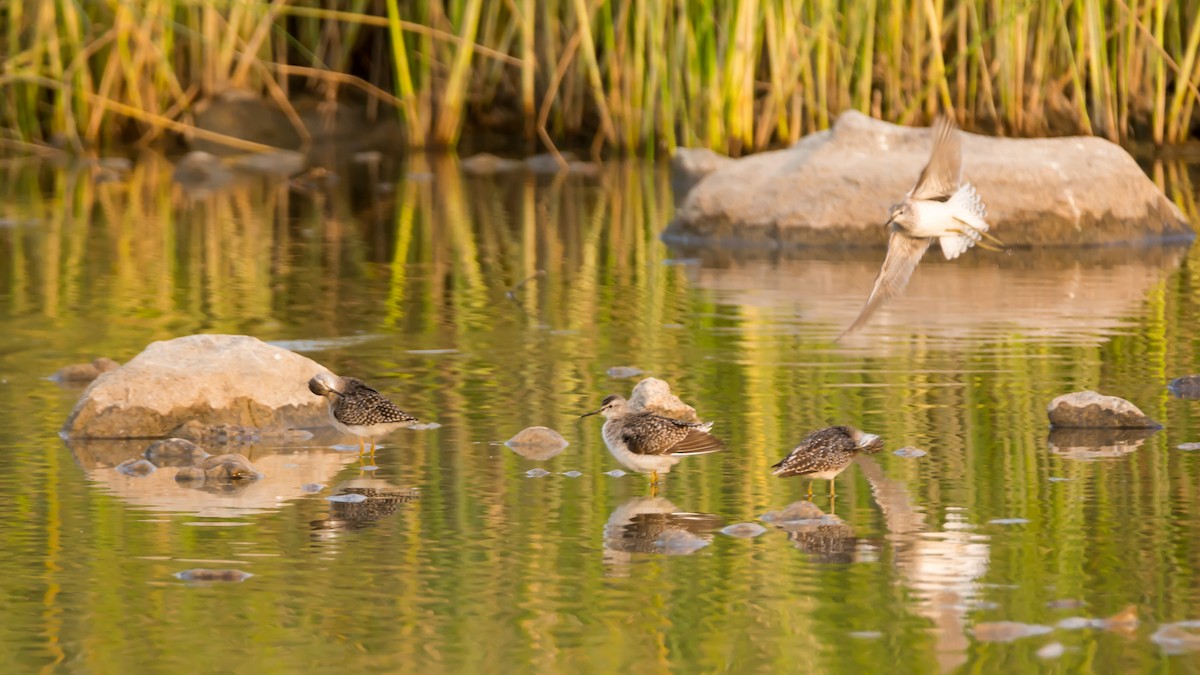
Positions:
{"x": 934, "y": 219}
{"x": 826, "y": 475}
{"x": 639, "y": 463}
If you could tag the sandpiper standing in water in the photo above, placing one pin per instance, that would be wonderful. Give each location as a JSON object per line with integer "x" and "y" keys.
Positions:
{"x": 825, "y": 453}
{"x": 357, "y": 409}
{"x": 940, "y": 206}
{"x": 645, "y": 442}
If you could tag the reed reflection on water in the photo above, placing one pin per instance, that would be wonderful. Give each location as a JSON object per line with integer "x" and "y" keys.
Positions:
{"x": 459, "y": 558}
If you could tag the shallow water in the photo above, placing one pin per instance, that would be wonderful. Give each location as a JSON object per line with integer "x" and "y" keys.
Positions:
{"x": 475, "y": 560}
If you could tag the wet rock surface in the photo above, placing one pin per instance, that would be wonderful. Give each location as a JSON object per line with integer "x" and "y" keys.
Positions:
{"x": 832, "y": 188}
{"x": 212, "y": 379}
{"x": 689, "y": 166}
{"x": 1088, "y": 409}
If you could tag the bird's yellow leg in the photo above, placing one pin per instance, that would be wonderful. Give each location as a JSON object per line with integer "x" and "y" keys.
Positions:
{"x": 810, "y": 490}
{"x": 361, "y": 448}
{"x": 372, "y": 450}
{"x": 832, "y": 489}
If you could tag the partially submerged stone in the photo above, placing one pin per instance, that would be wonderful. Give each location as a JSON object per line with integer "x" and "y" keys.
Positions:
{"x": 1088, "y": 409}
{"x": 539, "y": 443}
{"x": 175, "y": 452}
{"x": 80, "y": 373}
{"x": 136, "y": 467}
{"x": 216, "y": 434}
{"x": 655, "y": 395}
{"x": 228, "y": 467}
{"x": 213, "y": 379}
{"x": 836, "y": 186}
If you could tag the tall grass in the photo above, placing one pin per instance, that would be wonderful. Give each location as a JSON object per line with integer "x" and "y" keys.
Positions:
{"x": 630, "y": 75}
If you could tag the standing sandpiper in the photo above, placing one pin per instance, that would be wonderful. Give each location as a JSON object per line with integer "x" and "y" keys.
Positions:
{"x": 648, "y": 443}
{"x": 825, "y": 453}
{"x": 940, "y": 206}
{"x": 358, "y": 409}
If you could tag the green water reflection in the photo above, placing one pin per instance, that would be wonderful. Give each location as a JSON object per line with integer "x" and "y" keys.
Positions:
{"x": 404, "y": 280}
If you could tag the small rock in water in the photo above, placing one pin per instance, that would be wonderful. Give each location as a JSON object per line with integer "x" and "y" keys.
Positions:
{"x": 909, "y": 451}
{"x": 369, "y": 467}
{"x": 348, "y": 498}
{"x": 615, "y": 473}
{"x": 1052, "y": 650}
{"x": 622, "y": 372}
{"x": 1058, "y": 479}
{"x": 1089, "y": 409}
{"x": 743, "y": 530}
{"x": 175, "y": 452}
{"x": 201, "y": 574}
{"x": 229, "y": 467}
{"x": 136, "y": 468}
{"x": 572, "y": 474}
{"x": 1008, "y": 521}
{"x": 1075, "y": 623}
{"x": 865, "y": 634}
{"x": 425, "y": 426}
{"x": 1178, "y": 638}
{"x": 1007, "y": 631}
{"x": 312, "y": 488}
{"x": 85, "y": 372}
{"x": 537, "y": 473}
{"x": 1189, "y": 446}
{"x": 537, "y": 443}
{"x": 796, "y": 511}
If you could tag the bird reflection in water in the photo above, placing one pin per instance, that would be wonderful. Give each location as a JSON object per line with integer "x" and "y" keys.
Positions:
{"x": 654, "y": 525}
{"x": 381, "y": 499}
{"x": 824, "y": 536}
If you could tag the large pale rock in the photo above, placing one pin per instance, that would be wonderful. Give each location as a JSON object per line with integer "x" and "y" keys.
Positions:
{"x": 214, "y": 379}
{"x": 1091, "y": 410}
{"x": 836, "y": 186}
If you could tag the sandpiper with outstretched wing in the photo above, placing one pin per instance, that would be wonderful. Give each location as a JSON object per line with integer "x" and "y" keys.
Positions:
{"x": 939, "y": 207}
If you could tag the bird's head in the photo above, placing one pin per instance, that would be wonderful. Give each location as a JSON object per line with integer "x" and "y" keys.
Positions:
{"x": 326, "y": 384}
{"x": 868, "y": 443}
{"x": 612, "y": 406}
{"x": 901, "y": 215}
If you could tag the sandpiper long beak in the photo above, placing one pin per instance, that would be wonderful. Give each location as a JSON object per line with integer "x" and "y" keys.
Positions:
{"x": 594, "y": 412}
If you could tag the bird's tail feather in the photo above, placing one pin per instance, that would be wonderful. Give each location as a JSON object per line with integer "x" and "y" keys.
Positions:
{"x": 969, "y": 211}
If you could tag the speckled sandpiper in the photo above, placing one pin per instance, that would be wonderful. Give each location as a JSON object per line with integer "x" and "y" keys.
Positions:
{"x": 825, "y": 453}
{"x": 357, "y": 409}
{"x": 940, "y": 206}
{"x": 648, "y": 443}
